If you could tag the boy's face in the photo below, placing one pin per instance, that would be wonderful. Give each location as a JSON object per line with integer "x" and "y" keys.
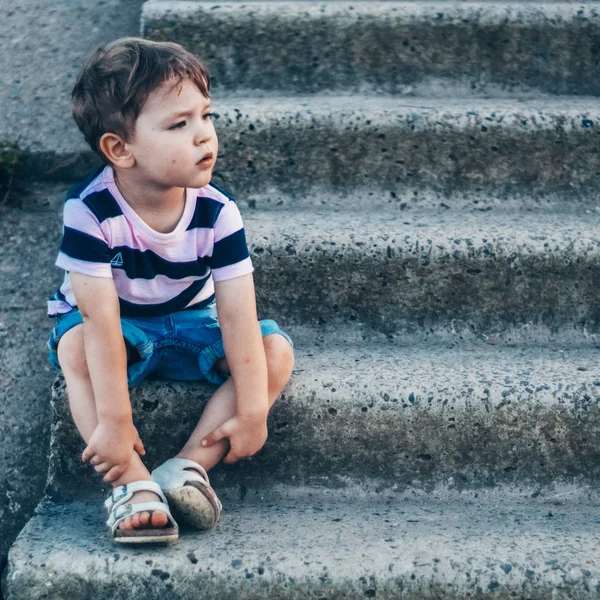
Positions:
{"x": 168, "y": 145}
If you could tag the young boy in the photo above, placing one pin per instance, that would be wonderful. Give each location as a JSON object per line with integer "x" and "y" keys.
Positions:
{"x": 152, "y": 253}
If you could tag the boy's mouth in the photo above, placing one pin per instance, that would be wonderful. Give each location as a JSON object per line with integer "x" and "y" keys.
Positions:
{"x": 207, "y": 158}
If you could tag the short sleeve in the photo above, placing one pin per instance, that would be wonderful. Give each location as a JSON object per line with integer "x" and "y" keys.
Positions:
{"x": 230, "y": 257}
{"x": 83, "y": 248}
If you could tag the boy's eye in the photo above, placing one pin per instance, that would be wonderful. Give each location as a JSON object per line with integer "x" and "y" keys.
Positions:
{"x": 182, "y": 123}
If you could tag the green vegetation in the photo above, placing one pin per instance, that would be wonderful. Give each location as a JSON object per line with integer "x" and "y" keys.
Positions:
{"x": 9, "y": 163}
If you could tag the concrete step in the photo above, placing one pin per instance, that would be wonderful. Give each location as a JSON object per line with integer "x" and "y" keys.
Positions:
{"x": 313, "y": 543}
{"x": 299, "y": 144}
{"x": 520, "y": 275}
{"x": 463, "y": 416}
{"x": 393, "y": 47}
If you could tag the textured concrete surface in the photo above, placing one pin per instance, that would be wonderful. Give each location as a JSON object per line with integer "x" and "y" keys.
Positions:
{"x": 416, "y": 197}
{"x": 339, "y": 142}
{"x": 522, "y": 417}
{"x": 522, "y": 276}
{"x": 24, "y": 419}
{"x": 386, "y": 46}
{"x": 312, "y": 543}
{"x": 422, "y": 416}
{"x": 495, "y": 271}
{"x": 56, "y": 37}
{"x": 32, "y": 235}
{"x": 28, "y": 243}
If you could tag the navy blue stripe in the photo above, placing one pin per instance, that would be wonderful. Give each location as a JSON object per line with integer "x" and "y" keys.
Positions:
{"x": 103, "y": 205}
{"x": 146, "y": 264}
{"x": 229, "y": 250}
{"x": 58, "y": 295}
{"x": 82, "y": 246}
{"x": 206, "y": 213}
{"x": 228, "y": 194}
{"x": 78, "y": 188}
{"x": 128, "y": 309}
{"x": 201, "y": 304}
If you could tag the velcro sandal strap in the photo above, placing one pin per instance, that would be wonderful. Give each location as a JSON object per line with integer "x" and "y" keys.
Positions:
{"x": 172, "y": 474}
{"x": 121, "y": 494}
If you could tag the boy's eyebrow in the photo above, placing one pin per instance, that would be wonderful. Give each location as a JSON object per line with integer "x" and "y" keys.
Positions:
{"x": 186, "y": 113}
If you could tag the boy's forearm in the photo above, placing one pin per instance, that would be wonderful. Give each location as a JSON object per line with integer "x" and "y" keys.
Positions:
{"x": 248, "y": 365}
{"x": 107, "y": 364}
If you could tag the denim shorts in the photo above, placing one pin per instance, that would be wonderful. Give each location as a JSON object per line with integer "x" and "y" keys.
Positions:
{"x": 184, "y": 345}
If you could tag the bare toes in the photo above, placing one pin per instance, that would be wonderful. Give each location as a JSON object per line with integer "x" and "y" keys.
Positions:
{"x": 135, "y": 520}
{"x": 159, "y": 519}
{"x": 144, "y": 518}
{"x": 126, "y": 524}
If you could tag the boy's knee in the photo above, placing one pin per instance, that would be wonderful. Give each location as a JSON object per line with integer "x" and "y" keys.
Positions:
{"x": 280, "y": 358}
{"x": 71, "y": 352}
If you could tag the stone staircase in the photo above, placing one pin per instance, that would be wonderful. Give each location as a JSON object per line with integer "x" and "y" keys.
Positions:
{"x": 418, "y": 184}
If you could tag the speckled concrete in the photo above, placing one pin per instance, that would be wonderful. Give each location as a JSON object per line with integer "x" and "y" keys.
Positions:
{"x": 293, "y": 144}
{"x": 470, "y": 416}
{"x": 340, "y": 142}
{"x": 28, "y": 245}
{"x": 312, "y": 543}
{"x": 386, "y": 46}
{"x": 422, "y": 393}
{"x": 398, "y": 272}
{"x": 287, "y": 244}
{"x": 297, "y": 260}
{"x": 521, "y": 276}
{"x": 43, "y": 46}
{"x": 57, "y": 37}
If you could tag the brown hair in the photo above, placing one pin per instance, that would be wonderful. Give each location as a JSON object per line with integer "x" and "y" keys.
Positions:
{"x": 115, "y": 83}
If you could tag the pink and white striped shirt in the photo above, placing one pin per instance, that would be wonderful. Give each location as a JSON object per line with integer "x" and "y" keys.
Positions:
{"x": 154, "y": 273}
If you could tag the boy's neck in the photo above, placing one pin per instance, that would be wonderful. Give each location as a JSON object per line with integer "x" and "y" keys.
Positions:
{"x": 142, "y": 196}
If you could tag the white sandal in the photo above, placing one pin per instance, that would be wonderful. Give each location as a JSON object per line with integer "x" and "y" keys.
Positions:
{"x": 189, "y": 492}
{"x": 119, "y": 509}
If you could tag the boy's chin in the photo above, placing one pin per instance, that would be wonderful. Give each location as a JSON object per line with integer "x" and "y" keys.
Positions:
{"x": 200, "y": 180}
{"x": 193, "y": 180}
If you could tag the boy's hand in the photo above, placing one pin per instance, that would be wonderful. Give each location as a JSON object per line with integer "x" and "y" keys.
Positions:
{"x": 111, "y": 446}
{"x": 247, "y": 435}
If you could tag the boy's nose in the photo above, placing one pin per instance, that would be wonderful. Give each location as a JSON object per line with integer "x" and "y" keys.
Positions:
{"x": 202, "y": 137}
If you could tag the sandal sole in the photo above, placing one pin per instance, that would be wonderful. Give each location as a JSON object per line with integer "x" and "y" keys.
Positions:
{"x": 141, "y": 536}
{"x": 190, "y": 505}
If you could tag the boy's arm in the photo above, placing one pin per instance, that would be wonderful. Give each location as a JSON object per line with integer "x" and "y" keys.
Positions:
{"x": 115, "y": 437}
{"x": 242, "y": 339}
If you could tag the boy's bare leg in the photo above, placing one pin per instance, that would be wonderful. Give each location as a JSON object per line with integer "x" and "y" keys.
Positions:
{"x": 71, "y": 355}
{"x": 222, "y": 405}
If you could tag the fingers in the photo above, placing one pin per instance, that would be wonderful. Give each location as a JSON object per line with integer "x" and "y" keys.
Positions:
{"x": 114, "y": 473}
{"x": 231, "y": 458}
{"x": 87, "y": 454}
{"x": 139, "y": 447}
{"x": 90, "y": 456}
{"x": 214, "y": 437}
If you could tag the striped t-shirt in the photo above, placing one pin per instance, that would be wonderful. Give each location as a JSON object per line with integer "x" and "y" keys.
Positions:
{"x": 154, "y": 273}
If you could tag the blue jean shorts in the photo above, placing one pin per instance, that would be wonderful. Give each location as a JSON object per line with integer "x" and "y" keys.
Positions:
{"x": 184, "y": 345}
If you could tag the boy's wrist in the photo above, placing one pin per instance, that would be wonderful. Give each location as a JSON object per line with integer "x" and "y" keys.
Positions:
{"x": 119, "y": 417}
{"x": 253, "y": 414}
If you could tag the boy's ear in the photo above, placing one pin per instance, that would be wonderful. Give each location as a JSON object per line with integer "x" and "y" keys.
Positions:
{"x": 115, "y": 149}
